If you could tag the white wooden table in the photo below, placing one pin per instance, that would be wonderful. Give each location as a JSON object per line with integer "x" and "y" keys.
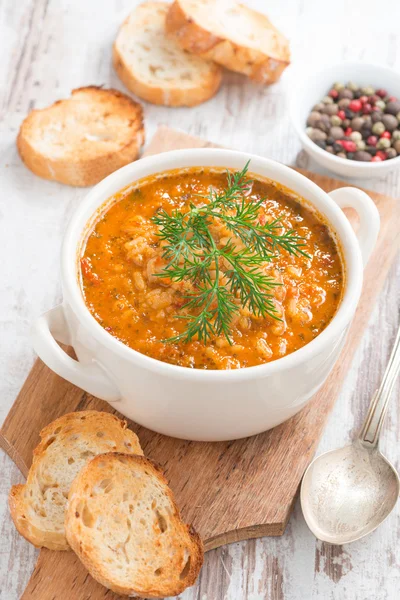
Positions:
{"x": 49, "y": 47}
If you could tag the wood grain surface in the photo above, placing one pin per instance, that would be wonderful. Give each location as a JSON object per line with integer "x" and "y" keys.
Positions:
{"x": 49, "y": 47}
{"x": 216, "y": 484}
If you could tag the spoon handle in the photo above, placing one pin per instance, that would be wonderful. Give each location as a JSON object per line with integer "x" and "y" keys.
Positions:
{"x": 370, "y": 431}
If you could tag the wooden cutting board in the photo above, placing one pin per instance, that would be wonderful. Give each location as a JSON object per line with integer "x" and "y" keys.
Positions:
{"x": 230, "y": 491}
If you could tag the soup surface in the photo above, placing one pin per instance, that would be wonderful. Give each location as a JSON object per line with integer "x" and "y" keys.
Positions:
{"x": 123, "y": 253}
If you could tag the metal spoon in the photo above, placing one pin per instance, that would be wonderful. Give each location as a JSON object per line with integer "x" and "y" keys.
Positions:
{"x": 347, "y": 493}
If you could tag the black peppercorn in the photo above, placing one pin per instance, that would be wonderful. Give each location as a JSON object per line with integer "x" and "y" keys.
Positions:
{"x": 321, "y": 144}
{"x": 376, "y": 116}
{"x": 371, "y": 150}
{"x": 349, "y": 113}
{"x": 366, "y": 131}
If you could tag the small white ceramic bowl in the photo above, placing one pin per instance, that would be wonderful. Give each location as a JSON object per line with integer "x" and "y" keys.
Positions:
{"x": 306, "y": 92}
{"x": 194, "y": 403}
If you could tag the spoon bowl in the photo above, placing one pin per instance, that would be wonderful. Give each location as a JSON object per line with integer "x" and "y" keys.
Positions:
{"x": 347, "y": 493}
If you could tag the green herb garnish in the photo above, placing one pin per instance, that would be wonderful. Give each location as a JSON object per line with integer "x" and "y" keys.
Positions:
{"x": 192, "y": 255}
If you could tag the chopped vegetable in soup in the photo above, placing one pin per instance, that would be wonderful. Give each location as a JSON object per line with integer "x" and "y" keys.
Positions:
{"x": 208, "y": 270}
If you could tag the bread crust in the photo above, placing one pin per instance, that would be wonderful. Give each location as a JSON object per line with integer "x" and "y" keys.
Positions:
{"x": 85, "y": 544}
{"x": 193, "y": 37}
{"x": 16, "y": 503}
{"x": 173, "y": 94}
{"x": 81, "y": 168}
{"x": 22, "y": 498}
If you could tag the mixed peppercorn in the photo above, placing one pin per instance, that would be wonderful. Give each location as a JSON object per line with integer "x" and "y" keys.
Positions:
{"x": 356, "y": 123}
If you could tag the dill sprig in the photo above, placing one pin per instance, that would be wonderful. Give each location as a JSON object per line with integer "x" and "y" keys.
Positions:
{"x": 191, "y": 254}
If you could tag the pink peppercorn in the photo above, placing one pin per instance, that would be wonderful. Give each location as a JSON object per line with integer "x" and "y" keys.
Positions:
{"x": 372, "y": 140}
{"x": 381, "y": 154}
{"x": 381, "y": 93}
{"x": 374, "y": 98}
{"x": 376, "y": 108}
{"x": 386, "y": 134}
{"x": 367, "y": 108}
{"x": 348, "y": 145}
{"x": 333, "y": 93}
{"x": 363, "y": 99}
{"x": 348, "y": 131}
{"x": 392, "y": 99}
{"x": 355, "y": 105}
{"x": 342, "y": 114}
{"x": 376, "y": 158}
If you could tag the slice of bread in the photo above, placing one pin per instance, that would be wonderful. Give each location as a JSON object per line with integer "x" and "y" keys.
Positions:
{"x": 81, "y": 140}
{"x": 67, "y": 444}
{"x": 232, "y": 35}
{"x": 124, "y": 525}
{"x": 154, "y": 67}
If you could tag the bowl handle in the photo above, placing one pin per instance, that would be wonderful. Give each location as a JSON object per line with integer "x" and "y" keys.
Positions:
{"x": 90, "y": 377}
{"x": 367, "y": 234}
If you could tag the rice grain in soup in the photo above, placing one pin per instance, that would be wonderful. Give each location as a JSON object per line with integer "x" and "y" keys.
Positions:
{"x": 122, "y": 254}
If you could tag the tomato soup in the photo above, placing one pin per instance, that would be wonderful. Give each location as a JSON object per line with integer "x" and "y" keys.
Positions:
{"x": 123, "y": 253}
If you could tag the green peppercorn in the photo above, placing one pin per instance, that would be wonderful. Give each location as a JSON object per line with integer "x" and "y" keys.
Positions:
{"x": 353, "y": 86}
{"x": 398, "y": 117}
{"x": 361, "y": 145}
{"x": 327, "y": 100}
{"x": 335, "y": 120}
{"x": 383, "y": 143}
{"x": 356, "y": 136}
{"x": 378, "y": 128}
{"x": 380, "y": 104}
{"x": 338, "y": 86}
{"x": 368, "y": 90}
{"x": 396, "y": 135}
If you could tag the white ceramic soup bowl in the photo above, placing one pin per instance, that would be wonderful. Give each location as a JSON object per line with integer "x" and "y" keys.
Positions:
{"x": 189, "y": 403}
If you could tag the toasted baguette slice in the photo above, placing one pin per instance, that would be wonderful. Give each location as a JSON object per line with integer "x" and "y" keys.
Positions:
{"x": 232, "y": 35}
{"x": 81, "y": 140}
{"x": 155, "y": 68}
{"x": 124, "y": 525}
{"x": 67, "y": 444}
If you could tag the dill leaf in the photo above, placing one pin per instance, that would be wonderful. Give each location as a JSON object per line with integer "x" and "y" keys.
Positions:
{"x": 191, "y": 254}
